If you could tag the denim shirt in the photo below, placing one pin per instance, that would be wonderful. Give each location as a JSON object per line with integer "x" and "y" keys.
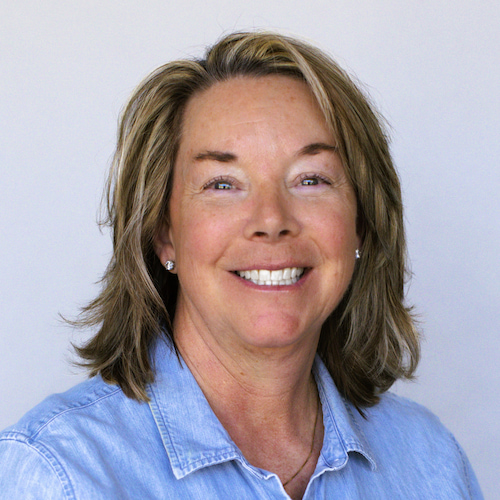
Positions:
{"x": 93, "y": 442}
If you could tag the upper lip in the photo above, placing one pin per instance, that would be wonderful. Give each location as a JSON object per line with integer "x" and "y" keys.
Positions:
{"x": 270, "y": 267}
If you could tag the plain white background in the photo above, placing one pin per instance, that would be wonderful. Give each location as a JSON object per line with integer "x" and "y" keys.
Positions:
{"x": 432, "y": 68}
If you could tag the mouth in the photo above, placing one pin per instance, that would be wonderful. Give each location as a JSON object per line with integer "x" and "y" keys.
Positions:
{"x": 266, "y": 277}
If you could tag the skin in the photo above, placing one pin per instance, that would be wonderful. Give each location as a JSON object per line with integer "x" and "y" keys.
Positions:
{"x": 258, "y": 184}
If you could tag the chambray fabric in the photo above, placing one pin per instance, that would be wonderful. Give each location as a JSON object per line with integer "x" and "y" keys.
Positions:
{"x": 92, "y": 442}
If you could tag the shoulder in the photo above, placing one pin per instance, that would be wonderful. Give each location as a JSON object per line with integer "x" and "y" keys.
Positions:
{"x": 396, "y": 415}
{"x": 36, "y": 453}
{"x": 404, "y": 425}
{"x": 408, "y": 438}
{"x": 62, "y": 410}
{"x": 30, "y": 471}
{"x": 392, "y": 406}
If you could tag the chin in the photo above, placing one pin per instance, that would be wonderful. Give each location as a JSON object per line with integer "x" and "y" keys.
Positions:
{"x": 274, "y": 336}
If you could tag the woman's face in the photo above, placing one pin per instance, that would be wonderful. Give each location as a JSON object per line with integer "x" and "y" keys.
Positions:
{"x": 262, "y": 217}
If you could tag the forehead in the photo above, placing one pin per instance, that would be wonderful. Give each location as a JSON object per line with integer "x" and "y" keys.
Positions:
{"x": 241, "y": 105}
{"x": 237, "y": 89}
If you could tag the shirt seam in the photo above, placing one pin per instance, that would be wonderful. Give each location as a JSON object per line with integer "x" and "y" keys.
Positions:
{"x": 366, "y": 452}
{"x": 464, "y": 466}
{"x": 362, "y": 448}
{"x": 35, "y": 435}
{"x": 322, "y": 392}
{"x": 186, "y": 467}
{"x": 54, "y": 464}
{"x": 160, "y": 425}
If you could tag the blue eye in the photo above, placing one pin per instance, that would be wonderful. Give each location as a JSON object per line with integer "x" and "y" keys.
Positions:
{"x": 222, "y": 185}
{"x": 313, "y": 180}
{"x": 310, "y": 182}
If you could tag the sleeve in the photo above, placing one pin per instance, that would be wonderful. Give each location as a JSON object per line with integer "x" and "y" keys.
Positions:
{"x": 28, "y": 472}
{"x": 470, "y": 478}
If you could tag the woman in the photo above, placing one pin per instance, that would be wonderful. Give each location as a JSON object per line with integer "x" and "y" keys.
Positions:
{"x": 252, "y": 317}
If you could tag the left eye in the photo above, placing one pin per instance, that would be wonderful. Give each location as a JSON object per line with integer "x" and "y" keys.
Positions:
{"x": 222, "y": 185}
{"x": 313, "y": 180}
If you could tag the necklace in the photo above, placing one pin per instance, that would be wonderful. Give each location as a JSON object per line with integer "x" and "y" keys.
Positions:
{"x": 312, "y": 447}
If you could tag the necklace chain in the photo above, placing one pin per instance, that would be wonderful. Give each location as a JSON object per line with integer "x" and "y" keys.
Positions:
{"x": 312, "y": 447}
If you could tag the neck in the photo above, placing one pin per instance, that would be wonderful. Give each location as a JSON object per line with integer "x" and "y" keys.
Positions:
{"x": 260, "y": 384}
{"x": 266, "y": 398}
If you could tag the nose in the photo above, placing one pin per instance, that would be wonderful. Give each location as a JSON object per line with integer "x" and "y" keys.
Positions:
{"x": 272, "y": 216}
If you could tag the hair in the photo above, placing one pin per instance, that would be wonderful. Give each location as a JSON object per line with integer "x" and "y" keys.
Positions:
{"x": 369, "y": 341}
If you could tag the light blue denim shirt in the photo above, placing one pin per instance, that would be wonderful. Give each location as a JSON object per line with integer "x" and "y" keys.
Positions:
{"x": 92, "y": 442}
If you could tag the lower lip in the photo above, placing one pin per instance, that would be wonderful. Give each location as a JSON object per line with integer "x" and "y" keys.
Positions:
{"x": 273, "y": 288}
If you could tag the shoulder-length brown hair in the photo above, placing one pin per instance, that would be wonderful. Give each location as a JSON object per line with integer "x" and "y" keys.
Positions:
{"x": 370, "y": 340}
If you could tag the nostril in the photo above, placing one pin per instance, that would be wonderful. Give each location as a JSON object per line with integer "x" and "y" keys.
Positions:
{"x": 271, "y": 218}
{"x": 265, "y": 234}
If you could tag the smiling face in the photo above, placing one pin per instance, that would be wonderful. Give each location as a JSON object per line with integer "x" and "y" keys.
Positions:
{"x": 262, "y": 217}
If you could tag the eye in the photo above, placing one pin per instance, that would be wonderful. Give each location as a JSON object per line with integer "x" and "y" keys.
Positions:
{"x": 313, "y": 180}
{"x": 222, "y": 185}
{"x": 310, "y": 182}
{"x": 219, "y": 184}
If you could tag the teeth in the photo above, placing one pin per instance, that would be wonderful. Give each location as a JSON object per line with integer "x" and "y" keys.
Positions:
{"x": 287, "y": 276}
{"x": 264, "y": 275}
{"x": 277, "y": 275}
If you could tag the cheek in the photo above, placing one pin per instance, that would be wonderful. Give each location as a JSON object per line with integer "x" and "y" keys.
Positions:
{"x": 335, "y": 230}
{"x": 202, "y": 234}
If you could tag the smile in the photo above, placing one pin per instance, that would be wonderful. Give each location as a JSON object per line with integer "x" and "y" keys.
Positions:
{"x": 286, "y": 276}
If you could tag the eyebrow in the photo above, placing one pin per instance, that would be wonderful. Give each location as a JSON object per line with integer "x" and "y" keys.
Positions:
{"x": 226, "y": 157}
{"x": 219, "y": 156}
{"x": 315, "y": 148}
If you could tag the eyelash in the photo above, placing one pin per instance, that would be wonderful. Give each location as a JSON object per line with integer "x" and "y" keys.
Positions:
{"x": 318, "y": 177}
{"x": 230, "y": 182}
{"x": 219, "y": 180}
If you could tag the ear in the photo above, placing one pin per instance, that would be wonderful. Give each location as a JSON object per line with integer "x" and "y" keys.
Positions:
{"x": 360, "y": 242}
{"x": 163, "y": 245}
{"x": 360, "y": 232}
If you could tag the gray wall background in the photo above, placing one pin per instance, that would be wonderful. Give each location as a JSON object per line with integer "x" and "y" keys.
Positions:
{"x": 433, "y": 69}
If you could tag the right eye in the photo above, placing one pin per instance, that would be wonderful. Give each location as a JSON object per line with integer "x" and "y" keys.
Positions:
{"x": 313, "y": 180}
{"x": 220, "y": 184}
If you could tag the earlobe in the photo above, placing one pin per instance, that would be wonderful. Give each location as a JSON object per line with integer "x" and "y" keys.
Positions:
{"x": 163, "y": 246}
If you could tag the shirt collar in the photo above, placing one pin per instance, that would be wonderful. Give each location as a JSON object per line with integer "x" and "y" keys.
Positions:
{"x": 194, "y": 438}
{"x": 343, "y": 432}
{"x": 191, "y": 433}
